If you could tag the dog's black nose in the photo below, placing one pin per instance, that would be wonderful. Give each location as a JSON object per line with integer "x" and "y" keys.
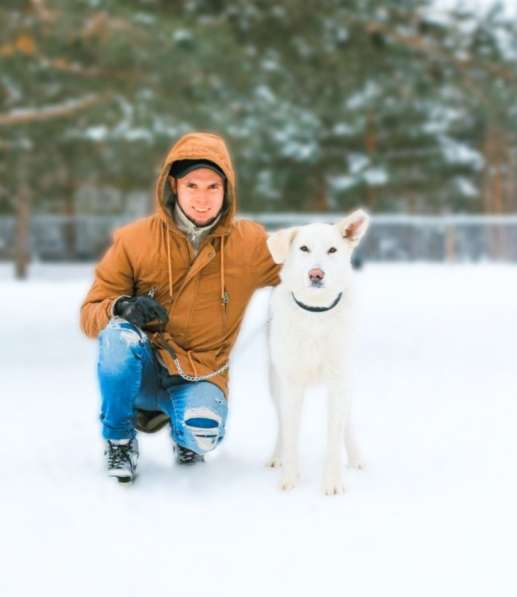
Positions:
{"x": 316, "y": 274}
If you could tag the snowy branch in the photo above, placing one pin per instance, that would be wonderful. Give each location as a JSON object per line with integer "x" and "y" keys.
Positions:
{"x": 74, "y": 68}
{"x": 24, "y": 116}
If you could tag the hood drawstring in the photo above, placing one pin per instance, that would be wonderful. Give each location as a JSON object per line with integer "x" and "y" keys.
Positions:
{"x": 169, "y": 259}
{"x": 225, "y": 297}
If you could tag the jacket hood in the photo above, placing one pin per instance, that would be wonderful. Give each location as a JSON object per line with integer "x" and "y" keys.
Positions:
{"x": 196, "y": 146}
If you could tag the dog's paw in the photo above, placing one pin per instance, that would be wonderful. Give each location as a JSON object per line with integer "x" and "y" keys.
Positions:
{"x": 357, "y": 465}
{"x": 274, "y": 462}
{"x": 333, "y": 486}
{"x": 289, "y": 481}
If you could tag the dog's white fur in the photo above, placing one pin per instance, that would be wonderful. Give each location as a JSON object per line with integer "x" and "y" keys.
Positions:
{"x": 310, "y": 347}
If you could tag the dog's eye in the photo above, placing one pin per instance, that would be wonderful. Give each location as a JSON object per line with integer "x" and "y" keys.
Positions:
{"x": 332, "y": 250}
{"x": 304, "y": 248}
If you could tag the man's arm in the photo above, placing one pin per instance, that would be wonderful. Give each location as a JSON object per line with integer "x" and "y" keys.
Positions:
{"x": 113, "y": 279}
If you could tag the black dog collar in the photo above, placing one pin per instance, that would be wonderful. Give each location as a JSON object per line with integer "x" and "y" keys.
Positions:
{"x": 317, "y": 309}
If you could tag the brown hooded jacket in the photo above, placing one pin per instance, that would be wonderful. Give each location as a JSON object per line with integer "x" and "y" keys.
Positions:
{"x": 205, "y": 294}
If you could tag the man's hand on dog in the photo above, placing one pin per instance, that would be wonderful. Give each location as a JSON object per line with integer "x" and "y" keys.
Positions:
{"x": 140, "y": 310}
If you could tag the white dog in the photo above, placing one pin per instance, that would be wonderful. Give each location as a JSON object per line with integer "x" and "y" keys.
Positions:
{"x": 308, "y": 338}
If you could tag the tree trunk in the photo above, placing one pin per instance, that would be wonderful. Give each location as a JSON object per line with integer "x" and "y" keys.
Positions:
{"x": 450, "y": 243}
{"x": 496, "y": 186}
{"x": 22, "y": 239}
{"x": 370, "y": 145}
{"x": 320, "y": 201}
{"x": 70, "y": 226}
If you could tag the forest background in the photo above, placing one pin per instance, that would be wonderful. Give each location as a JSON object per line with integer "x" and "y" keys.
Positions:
{"x": 400, "y": 106}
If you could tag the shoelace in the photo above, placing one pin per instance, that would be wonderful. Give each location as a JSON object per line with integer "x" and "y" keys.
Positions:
{"x": 118, "y": 455}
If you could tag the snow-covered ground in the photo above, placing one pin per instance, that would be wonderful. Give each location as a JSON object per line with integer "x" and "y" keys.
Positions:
{"x": 435, "y": 409}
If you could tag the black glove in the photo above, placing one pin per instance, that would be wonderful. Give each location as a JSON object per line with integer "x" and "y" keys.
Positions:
{"x": 140, "y": 310}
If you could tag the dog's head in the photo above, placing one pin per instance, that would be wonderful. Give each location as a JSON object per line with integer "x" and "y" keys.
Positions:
{"x": 317, "y": 257}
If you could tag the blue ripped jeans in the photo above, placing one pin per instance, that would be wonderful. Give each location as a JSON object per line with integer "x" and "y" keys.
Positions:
{"x": 128, "y": 372}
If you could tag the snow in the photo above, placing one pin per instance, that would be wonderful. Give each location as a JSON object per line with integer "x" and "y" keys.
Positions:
{"x": 96, "y": 133}
{"x": 376, "y": 176}
{"x": 435, "y": 411}
{"x": 361, "y": 98}
{"x": 460, "y": 153}
{"x": 465, "y": 186}
{"x": 182, "y": 35}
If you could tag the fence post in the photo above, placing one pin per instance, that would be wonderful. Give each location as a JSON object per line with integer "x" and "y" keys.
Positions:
{"x": 450, "y": 242}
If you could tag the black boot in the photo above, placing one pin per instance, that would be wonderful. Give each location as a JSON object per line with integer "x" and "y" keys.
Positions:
{"x": 121, "y": 457}
{"x": 186, "y": 456}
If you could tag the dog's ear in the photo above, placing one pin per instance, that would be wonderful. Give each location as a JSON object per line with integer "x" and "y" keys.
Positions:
{"x": 353, "y": 227}
{"x": 279, "y": 243}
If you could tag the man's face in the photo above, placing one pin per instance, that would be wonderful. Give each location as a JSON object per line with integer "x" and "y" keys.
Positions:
{"x": 200, "y": 195}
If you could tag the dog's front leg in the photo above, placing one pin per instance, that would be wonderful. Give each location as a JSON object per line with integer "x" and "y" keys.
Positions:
{"x": 291, "y": 403}
{"x": 274, "y": 384}
{"x": 336, "y": 422}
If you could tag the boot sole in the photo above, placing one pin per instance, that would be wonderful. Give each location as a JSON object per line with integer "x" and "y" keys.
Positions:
{"x": 125, "y": 480}
{"x": 124, "y": 477}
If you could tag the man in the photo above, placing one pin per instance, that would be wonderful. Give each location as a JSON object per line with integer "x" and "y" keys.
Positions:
{"x": 166, "y": 305}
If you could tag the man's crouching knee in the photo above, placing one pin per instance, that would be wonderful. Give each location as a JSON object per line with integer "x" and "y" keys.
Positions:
{"x": 119, "y": 342}
{"x": 205, "y": 427}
